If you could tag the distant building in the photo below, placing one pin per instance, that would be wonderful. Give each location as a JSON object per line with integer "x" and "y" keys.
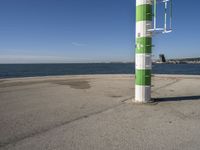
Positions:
{"x": 162, "y": 58}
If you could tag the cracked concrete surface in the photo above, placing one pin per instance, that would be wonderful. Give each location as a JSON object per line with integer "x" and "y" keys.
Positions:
{"x": 96, "y": 112}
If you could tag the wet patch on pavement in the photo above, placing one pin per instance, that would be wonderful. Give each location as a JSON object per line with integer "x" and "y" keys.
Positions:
{"x": 75, "y": 84}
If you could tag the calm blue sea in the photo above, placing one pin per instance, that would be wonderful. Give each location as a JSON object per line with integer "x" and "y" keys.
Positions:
{"x": 31, "y": 70}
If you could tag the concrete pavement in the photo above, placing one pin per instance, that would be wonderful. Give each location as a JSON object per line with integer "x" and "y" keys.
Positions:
{"x": 95, "y": 112}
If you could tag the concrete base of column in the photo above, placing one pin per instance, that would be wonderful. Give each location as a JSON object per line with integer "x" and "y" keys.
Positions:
{"x": 142, "y": 94}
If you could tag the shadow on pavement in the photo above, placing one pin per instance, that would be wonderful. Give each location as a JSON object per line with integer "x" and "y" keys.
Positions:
{"x": 181, "y": 98}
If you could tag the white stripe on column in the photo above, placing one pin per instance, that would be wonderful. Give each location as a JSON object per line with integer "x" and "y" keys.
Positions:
{"x": 142, "y": 93}
{"x": 142, "y": 28}
{"x": 143, "y": 61}
{"x": 141, "y": 2}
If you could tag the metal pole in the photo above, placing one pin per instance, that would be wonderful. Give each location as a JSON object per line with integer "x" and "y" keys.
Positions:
{"x": 155, "y": 14}
{"x": 165, "y": 24}
{"x": 170, "y": 14}
{"x": 143, "y": 50}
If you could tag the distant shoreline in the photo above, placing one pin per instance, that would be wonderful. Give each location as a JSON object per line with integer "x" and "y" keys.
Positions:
{"x": 98, "y": 63}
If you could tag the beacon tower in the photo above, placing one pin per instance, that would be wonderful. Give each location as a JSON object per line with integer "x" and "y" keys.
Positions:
{"x": 145, "y": 29}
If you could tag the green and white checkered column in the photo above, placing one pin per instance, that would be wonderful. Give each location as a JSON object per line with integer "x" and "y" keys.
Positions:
{"x": 143, "y": 63}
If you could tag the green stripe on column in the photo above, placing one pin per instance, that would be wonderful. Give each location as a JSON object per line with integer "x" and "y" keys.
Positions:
{"x": 143, "y": 77}
{"x": 144, "y": 12}
{"x": 144, "y": 45}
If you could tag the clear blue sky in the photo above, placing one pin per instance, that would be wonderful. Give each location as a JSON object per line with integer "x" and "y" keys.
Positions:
{"x": 87, "y": 31}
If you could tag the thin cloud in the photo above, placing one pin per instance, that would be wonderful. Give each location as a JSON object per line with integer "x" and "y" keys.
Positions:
{"x": 78, "y": 44}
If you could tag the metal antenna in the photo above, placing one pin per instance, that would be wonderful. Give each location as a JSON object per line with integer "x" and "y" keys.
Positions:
{"x": 165, "y": 29}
